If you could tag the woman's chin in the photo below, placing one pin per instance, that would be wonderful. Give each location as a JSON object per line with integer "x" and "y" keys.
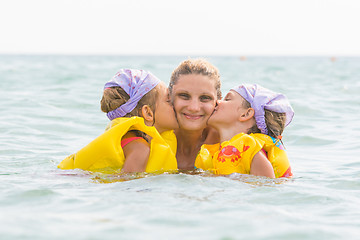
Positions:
{"x": 192, "y": 126}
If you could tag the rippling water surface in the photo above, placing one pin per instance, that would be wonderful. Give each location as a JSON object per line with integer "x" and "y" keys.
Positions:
{"x": 50, "y": 108}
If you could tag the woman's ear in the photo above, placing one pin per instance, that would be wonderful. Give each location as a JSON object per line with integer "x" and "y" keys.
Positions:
{"x": 171, "y": 99}
{"x": 147, "y": 113}
{"x": 247, "y": 114}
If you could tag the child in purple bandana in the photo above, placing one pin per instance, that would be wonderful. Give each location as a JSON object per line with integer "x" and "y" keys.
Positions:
{"x": 250, "y": 121}
{"x": 139, "y": 136}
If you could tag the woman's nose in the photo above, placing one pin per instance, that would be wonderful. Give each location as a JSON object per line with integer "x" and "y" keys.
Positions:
{"x": 194, "y": 105}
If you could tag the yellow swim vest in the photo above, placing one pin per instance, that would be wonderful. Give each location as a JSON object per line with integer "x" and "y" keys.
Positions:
{"x": 105, "y": 151}
{"x": 276, "y": 154}
{"x": 231, "y": 156}
{"x": 236, "y": 155}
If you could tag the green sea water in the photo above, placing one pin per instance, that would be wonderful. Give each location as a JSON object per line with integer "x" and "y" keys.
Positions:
{"x": 50, "y": 108}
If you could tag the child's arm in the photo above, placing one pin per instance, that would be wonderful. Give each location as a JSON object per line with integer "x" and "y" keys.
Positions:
{"x": 136, "y": 156}
{"x": 261, "y": 166}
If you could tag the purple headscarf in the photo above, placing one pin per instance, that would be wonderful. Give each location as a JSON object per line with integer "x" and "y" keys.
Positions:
{"x": 136, "y": 83}
{"x": 262, "y": 98}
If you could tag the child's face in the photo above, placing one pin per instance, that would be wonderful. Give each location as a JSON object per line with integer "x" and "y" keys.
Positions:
{"x": 164, "y": 113}
{"x": 228, "y": 110}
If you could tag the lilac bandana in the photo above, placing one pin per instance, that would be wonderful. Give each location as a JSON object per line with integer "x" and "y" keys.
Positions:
{"x": 136, "y": 83}
{"x": 262, "y": 98}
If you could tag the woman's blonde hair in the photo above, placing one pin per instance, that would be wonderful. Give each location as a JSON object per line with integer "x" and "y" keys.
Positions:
{"x": 196, "y": 66}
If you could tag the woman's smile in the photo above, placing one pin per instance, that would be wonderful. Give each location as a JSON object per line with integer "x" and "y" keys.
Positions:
{"x": 192, "y": 116}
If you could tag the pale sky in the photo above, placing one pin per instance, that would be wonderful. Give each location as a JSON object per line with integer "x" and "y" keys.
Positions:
{"x": 180, "y": 27}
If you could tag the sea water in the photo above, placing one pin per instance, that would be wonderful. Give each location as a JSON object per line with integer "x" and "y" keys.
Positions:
{"x": 50, "y": 108}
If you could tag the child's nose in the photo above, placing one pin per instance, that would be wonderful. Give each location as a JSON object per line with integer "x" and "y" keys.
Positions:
{"x": 219, "y": 102}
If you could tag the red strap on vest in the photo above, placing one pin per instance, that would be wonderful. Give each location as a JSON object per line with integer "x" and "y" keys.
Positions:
{"x": 128, "y": 140}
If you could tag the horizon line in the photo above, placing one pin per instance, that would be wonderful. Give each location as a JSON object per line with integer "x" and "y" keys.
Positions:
{"x": 179, "y": 55}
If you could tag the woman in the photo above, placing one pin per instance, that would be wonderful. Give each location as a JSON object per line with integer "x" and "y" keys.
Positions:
{"x": 194, "y": 88}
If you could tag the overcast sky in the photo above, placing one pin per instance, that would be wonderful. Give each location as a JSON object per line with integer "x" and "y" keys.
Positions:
{"x": 180, "y": 27}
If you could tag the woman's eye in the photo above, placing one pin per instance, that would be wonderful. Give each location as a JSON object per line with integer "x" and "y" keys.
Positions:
{"x": 205, "y": 98}
{"x": 227, "y": 99}
{"x": 184, "y": 96}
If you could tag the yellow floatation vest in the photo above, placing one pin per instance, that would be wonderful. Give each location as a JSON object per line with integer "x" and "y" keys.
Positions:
{"x": 231, "y": 156}
{"x": 105, "y": 152}
{"x": 276, "y": 154}
{"x": 236, "y": 155}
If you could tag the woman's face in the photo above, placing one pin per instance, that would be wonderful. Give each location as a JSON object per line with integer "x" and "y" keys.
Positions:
{"x": 194, "y": 99}
{"x": 164, "y": 112}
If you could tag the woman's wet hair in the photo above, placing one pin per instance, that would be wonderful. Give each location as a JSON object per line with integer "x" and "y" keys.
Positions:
{"x": 275, "y": 122}
{"x": 196, "y": 66}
